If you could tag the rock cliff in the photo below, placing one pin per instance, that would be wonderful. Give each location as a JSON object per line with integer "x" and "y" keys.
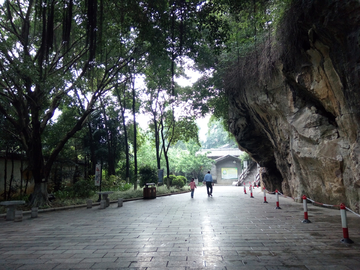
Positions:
{"x": 295, "y": 103}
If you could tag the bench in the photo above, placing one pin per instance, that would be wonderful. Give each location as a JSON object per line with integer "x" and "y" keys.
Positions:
{"x": 105, "y": 202}
{"x": 11, "y": 207}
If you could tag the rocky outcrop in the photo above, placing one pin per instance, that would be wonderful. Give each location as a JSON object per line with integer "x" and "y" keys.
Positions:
{"x": 297, "y": 110}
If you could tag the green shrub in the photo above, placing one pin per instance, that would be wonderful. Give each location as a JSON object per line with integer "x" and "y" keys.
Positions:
{"x": 124, "y": 186}
{"x": 171, "y": 178}
{"x": 178, "y": 182}
{"x": 114, "y": 183}
{"x": 183, "y": 178}
{"x": 83, "y": 188}
{"x": 147, "y": 174}
{"x": 63, "y": 194}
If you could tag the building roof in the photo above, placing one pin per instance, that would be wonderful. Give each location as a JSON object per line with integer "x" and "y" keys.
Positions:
{"x": 220, "y": 152}
{"x": 226, "y": 157}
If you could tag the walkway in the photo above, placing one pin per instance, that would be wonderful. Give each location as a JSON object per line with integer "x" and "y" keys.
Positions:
{"x": 227, "y": 231}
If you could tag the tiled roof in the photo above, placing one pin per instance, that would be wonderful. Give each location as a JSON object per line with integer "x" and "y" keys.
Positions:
{"x": 226, "y": 157}
{"x": 220, "y": 152}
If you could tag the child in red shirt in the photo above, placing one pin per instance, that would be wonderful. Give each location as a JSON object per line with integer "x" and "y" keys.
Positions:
{"x": 192, "y": 187}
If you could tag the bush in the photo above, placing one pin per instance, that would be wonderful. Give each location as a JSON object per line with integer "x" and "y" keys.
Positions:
{"x": 171, "y": 178}
{"x": 83, "y": 188}
{"x": 148, "y": 174}
{"x": 114, "y": 183}
{"x": 178, "y": 181}
{"x": 124, "y": 186}
{"x": 183, "y": 178}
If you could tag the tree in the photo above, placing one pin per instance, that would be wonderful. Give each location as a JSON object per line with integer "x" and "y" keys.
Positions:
{"x": 217, "y": 135}
{"x": 158, "y": 92}
{"x": 71, "y": 53}
{"x": 190, "y": 163}
{"x": 173, "y": 130}
{"x": 122, "y": 98}
{"x": 53, "y": 54}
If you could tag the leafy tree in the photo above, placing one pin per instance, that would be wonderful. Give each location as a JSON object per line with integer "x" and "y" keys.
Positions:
{"x": 123, "y": 100}
{"x": 157, "y": 93}
{"x": 217, "y": 136}
{"x": 146, "y": 154}
{"x": 51, "y": 55}
{"x": 70, "y": 54}
{"x": 174, "y": 130}
{"x": 191, "y": 164}
{"x": 148, "y": 174}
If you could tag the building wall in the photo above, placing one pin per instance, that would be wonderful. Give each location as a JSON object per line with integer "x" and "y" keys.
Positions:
{"x": 65, "y": 172}
{"x": 19, "y": 174}
{"x": 227, "y": 163}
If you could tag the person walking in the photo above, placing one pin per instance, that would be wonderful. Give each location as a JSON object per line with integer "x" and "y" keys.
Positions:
{"x": 209, "y": 183}
{"x": 192, "y": 185}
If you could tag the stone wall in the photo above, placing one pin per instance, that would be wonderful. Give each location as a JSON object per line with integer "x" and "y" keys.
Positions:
{"x": 298, "y": 114}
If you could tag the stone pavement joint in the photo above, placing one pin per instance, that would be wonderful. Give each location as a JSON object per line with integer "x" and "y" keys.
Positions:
{"x": 227, "y": 231}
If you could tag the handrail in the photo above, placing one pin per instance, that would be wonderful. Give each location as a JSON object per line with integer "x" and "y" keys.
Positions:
{"x": 244, "y": 174}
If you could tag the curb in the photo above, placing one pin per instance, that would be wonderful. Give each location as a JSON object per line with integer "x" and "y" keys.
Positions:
{"x": 94, "y": 204}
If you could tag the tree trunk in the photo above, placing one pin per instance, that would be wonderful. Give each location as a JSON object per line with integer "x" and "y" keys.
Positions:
{"x": 36, "y": 165}
{"x": 92, "y": 151}
{"x": 110, "y": 156}
{"x": 165, "y": 155}
{"x": 135, "y": 144}
{"x": 40, "y": 195}
{"x": 21, "y": 174}
{"x": 127, "y": 169}
{"x": 27, "y": 180}
{"x": 5, "y": 172}
{"x": 157, "y": 143}
{"x": 12, "y": 174}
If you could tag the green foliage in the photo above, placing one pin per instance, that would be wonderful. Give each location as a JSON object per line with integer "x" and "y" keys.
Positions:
{"x": 146, "y": 153}
{"x": 83, "y": 188}
{"x": 189, "y": 162}
{"x": 218, "y": 136}
{"x": 63, "y": 194}
{"x": 148, "y": 174}
{"x": 74, "y": 67}
{"x": 178, "y": 182}
{"x": 182, "y": 179}
{"x": 22, "y": 197}
{"x": 171, "y": 179}
{"x": 244, "y": 156}
{"x": 114, "y": 183}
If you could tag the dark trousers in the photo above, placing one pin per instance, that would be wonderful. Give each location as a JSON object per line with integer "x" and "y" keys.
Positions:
{"x": 209, "y": 188}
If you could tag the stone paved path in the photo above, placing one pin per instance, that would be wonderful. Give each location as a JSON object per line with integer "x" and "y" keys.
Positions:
{"x": 227, "y": 231}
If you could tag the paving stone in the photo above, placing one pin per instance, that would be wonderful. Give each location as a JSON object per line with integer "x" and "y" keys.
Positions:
{"x": 228, "y": 231}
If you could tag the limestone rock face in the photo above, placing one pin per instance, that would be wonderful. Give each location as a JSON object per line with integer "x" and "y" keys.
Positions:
{"x": 298, "y": 115}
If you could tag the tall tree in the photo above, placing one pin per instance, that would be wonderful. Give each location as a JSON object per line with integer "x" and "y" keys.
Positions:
{"x": 158, "y": 92}
{"x": 70, "y": 52}
{"x": 173, "y": 130}
{"x": 122, "y": 98}
{"x": 53, "y": 53}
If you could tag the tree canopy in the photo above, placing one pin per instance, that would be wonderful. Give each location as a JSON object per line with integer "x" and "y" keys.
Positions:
{"x": 63, "y": 63}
